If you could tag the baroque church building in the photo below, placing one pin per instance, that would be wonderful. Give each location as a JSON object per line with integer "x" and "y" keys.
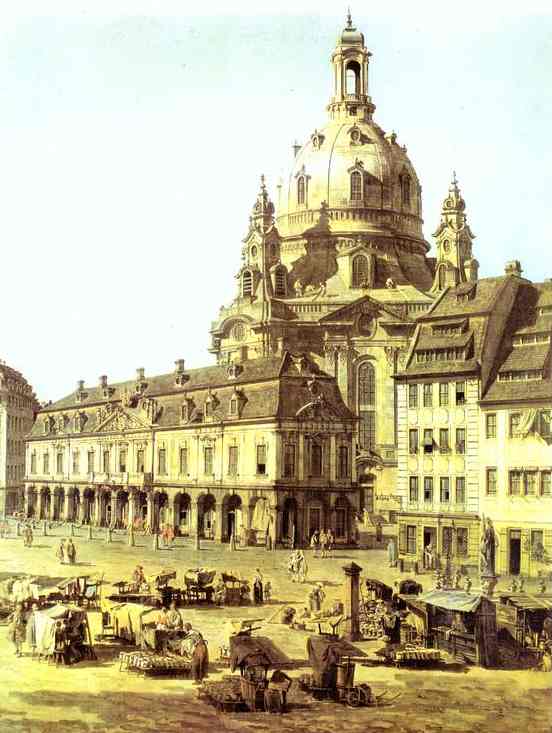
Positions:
{"x": 340, "y": 269}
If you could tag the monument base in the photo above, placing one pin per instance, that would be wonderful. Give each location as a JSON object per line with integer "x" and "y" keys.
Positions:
{"x": 488, "y": 584}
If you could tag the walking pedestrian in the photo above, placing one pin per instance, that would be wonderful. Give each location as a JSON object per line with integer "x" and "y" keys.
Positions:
{"x": 316, "y": 598}
{"x": 301, "y": 566}
{"x": 60, "y": 552}
{"x": 17, "y": 628}
{"x": 71, "y": 552}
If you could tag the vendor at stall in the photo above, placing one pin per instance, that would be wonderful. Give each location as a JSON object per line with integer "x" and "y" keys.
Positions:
{"x": 316, "y": 598}
{"x": 194, "y": 646}
{"x": 138, "y": 578}
{"x": 173, "y": 618}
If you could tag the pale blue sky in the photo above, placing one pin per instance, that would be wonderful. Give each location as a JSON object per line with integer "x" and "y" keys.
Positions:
{"x": 132, "y": 137}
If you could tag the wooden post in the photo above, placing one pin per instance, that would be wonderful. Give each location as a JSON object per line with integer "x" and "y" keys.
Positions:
{"x": 351, "y": 630}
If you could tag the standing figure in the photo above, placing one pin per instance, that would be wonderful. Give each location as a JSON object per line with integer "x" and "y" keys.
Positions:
{"x": 429, "y": 557}
{"x": 457, "y": 579}
{"x": 258, "y": 588}
{"x": 267, "y": 591}
{"x": 194, "y": 645}
{"x": 316, "y": 598}
{"x": 301, "y": 566}
{"x": 323, "y": 542}
{"x": 314, "y": 542}
{"x": 467, "y": 584}
{"x": 232, "y": 543}
{"x": 331, "y": 541}
{"x": 392, "y": 553}
{"x": 31, "y": 629}
{"x": 60, "y": 552}
{"x": 488, "y": 549}
{"x": 71, "y": 551}
{"x": 17, "y": 628}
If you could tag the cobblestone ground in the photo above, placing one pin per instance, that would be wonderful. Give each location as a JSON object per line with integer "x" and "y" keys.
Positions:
{"x": 95, "y": 696}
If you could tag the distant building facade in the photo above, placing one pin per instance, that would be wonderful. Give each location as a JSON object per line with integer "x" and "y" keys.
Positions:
{"x": 17, "y": 409}
{"x": 260, "y": 448}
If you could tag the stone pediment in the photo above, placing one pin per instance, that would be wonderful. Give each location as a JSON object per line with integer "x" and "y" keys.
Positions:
{"x": 363, "y": 306}
{"x": 317, "y": 409}
{"x": 116, "y": 419}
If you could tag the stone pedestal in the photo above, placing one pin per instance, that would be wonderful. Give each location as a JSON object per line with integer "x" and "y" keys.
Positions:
{"x": 131, "y": 536}
{"x": 197, "y": 537}
{"x": 351, "y": 599}
{"x": 45, "y": 528}
{"x": 488, "y": 584}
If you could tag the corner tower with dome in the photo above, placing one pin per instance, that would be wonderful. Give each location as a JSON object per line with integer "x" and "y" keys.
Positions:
{"x": 340, "y": 267}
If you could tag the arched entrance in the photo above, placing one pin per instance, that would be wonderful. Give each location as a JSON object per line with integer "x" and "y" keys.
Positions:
{"x": 121, "y": 519}
{"x": 289, "y": 522}
{"x": 315, "y": 518}
{"x": 160, "y": 509}
{"x": 31, "y": 503}
{"x": 88, "y": 509}
{"x": 59, "y": 498}
{"x": 45, "y": 503}
{"x": 140, "y": 509}
{"x": 206, "y": 505}
{"x": 260, "y": 520}
{"x": 104, "y": 520}
{"x": 182, "y": 514}
{"x": 342, "y": 513}
{"x": 231, "y": 517}
{"x": 74, "y": 504}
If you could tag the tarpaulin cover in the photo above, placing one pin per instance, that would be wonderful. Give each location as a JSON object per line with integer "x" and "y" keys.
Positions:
{"x": 255, "y": 650}
{"x": 452, "y": 600}
{"x": 200, "y": 576}
{"x": 528, "y": 602}
{"x": 324, "y": 653}
{"x": 45, "y": 625}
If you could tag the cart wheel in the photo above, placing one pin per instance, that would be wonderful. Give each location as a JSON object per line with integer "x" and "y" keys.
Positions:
{"x": 354, "y": 697}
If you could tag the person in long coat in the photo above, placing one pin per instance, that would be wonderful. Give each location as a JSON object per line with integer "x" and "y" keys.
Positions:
{"x": 258, "y": 588}
{"x": 31, "y": 629}
{"x": 71, "y": 552}
{"x": 17, "y": 628}
{"x": 195, "y": 643}
{"x": 60, "y": 552}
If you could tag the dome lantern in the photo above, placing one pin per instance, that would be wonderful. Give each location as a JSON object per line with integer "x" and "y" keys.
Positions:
{"x": 350, "y": 61}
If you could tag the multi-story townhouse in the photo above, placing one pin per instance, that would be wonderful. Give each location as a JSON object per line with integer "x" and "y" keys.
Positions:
{"x": 516, "y": 438}
{"x": 260, "y": 446}
{"x": 449, "y": 366}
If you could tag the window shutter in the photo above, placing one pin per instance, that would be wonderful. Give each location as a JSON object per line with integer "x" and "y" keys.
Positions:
{"x": 402, "y": 538}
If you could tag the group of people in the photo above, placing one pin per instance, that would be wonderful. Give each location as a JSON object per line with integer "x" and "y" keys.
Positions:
{"x": 66, "y": 552}
{"x": 297, "y": 566}
{"x": 28, "y": 536}
{"x": 190, "y": 641}
{"x": 322, "y": 541}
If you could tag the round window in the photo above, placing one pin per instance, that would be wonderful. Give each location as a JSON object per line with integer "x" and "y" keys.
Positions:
{"x": 446, "y": 245}
{"x": 253, "y": 252}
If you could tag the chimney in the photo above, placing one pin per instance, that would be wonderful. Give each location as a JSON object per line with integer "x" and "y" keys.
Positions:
{"x": 179, "y": 366}
{"x": 513, "y": 268}
{"x": 296, "y": 149}
{"x": 140, "y": 374}
{"x": 80, "y": 385}
{"x": 103, "y": 380}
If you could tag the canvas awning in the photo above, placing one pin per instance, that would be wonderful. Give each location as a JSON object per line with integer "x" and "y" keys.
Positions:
{"x": 255, "y": 650}
{"x": 528, "y": 602}
{"x": 452, "y": 600}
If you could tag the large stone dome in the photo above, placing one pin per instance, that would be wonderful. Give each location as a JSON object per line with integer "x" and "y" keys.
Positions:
{"x": 350, "y": 168}
{"x": 388, "y": 201}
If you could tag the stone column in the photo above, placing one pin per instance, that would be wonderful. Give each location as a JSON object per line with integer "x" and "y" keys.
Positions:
{"x": 114, "y": 497}
{"x": 351, "y": 599}
{"x": 26, "y": 499}
{"x": 52, "y": 506}
{"x": 80, "y": 505}
{"x": 218, "y": 521}
{"x": 131, "y": 508}
{"x": 98, "y": 508}
{"x": 193, "y": 524}
{"x": 66, "y": 506}
{"x": 275, "y": 528}
{"x": 149, "y": 513}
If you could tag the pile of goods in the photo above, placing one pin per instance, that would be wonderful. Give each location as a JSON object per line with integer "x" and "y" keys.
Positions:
{"x": 151, "y": 664}
{"x": 224, "y": 695}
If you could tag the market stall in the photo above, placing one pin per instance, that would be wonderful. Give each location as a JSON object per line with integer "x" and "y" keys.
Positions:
{"x": 199, "y": 585}
{"x": 524, "y": 625}
{"x": 63, "y": 634}
{"x": 460, "y": 623}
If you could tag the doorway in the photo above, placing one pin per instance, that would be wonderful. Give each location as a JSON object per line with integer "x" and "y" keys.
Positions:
{"x": 430, "y": 547}
{"x": 314, "y": 520}
{"x": 515, "y": 551}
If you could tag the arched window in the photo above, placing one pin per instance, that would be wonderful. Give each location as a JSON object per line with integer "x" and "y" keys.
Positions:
{"x": 356, "y": 186}
{"x": 247, "y": 283}
{"x": 360, "y": 271}
{"x": 301, "y": 190}
{"x": 238, "y": 331}
{"x": 405, "y": 189}
{"x": 280, "y": 285}
{"x": 352, "y": 78}
{"x": 366, "y": 390}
